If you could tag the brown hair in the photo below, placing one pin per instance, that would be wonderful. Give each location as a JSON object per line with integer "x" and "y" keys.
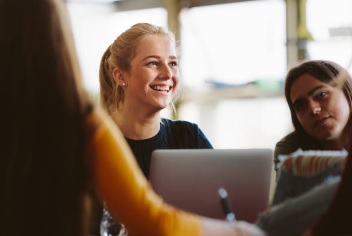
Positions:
{"x": 325, "y": 71}
{"x": 44, "y": 172}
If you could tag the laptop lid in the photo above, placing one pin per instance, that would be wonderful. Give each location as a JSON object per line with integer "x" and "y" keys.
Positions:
{"x": 190, "y": 179}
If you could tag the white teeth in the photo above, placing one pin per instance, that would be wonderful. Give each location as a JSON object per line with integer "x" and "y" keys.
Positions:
{"x": 161, "y": 88}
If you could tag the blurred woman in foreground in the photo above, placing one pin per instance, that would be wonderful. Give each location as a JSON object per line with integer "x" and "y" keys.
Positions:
{"x": 57, "y": 148}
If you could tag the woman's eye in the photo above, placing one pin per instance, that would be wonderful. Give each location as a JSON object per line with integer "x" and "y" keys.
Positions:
{"x": 174, "y": 63}
{"x": 321, "y": 94}
{"x": 298, "y": 107}
{"x": 153, "y": 63}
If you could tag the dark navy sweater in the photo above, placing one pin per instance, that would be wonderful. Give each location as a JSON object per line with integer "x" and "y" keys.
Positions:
{"x": 172, "y": 135}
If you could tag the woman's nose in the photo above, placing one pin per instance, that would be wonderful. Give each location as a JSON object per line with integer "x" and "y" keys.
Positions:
{"x": 314, "y": 108}
{"x": 166, "y": 72}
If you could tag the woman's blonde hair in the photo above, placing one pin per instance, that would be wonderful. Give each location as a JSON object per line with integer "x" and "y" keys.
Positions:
{"x": 119, "y": 55}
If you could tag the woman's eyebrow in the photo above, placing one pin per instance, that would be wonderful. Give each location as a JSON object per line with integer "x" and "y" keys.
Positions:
{"x": 158, "y": 57}
{"x": 311, "y": 92}
{"x": 151, "y": 56}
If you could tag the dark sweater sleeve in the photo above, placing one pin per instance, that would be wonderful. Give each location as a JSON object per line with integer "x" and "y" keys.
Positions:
{"x": 286, "y": 145}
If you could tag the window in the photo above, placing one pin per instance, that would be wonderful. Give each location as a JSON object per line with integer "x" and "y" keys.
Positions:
{"x": 96, "y": 26}
{"x": 235, "y": 44}
{"x": 330, "y": 23}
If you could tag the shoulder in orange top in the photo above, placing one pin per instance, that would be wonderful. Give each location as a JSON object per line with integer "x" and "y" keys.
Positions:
{"x": 127, "y": 194}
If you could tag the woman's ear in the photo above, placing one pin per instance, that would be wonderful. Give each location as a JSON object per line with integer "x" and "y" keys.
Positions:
{"x": 118, "y": 77}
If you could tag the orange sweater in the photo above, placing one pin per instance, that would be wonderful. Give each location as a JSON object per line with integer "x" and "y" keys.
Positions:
{"x": 127, "y": 194}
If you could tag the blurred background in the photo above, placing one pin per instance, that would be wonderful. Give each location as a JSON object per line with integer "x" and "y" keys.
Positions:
{"x": 234, "y": 55}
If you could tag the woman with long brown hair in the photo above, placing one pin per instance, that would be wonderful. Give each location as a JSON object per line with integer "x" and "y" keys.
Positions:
{"x": 57, "y": 148}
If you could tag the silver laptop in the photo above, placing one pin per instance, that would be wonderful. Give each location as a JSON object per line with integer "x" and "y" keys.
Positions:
{"x": 190, "y": 179}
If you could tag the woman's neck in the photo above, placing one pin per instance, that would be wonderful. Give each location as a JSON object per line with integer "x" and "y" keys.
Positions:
{"x": 137, "y": 126}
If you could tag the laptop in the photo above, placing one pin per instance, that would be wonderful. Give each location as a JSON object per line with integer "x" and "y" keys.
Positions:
{"x": 191, "y": 178}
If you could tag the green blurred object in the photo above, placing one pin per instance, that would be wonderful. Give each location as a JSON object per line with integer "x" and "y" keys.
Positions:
{"x": 269, "y": 84}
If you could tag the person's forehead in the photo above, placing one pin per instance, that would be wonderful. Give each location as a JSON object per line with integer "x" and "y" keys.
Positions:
{"x": 155, "y": 43}
{"x": 305, "y": 84}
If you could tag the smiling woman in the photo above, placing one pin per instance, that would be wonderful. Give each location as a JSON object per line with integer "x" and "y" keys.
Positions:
{"x": 139, "y": 77}
{"x": 156, "y": 67}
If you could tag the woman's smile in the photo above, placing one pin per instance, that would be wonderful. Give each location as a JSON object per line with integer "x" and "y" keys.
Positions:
{"x": 162, "y": 88}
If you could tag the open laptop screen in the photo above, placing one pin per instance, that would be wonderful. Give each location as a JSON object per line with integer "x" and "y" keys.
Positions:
{"x": 190, "y": 179}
